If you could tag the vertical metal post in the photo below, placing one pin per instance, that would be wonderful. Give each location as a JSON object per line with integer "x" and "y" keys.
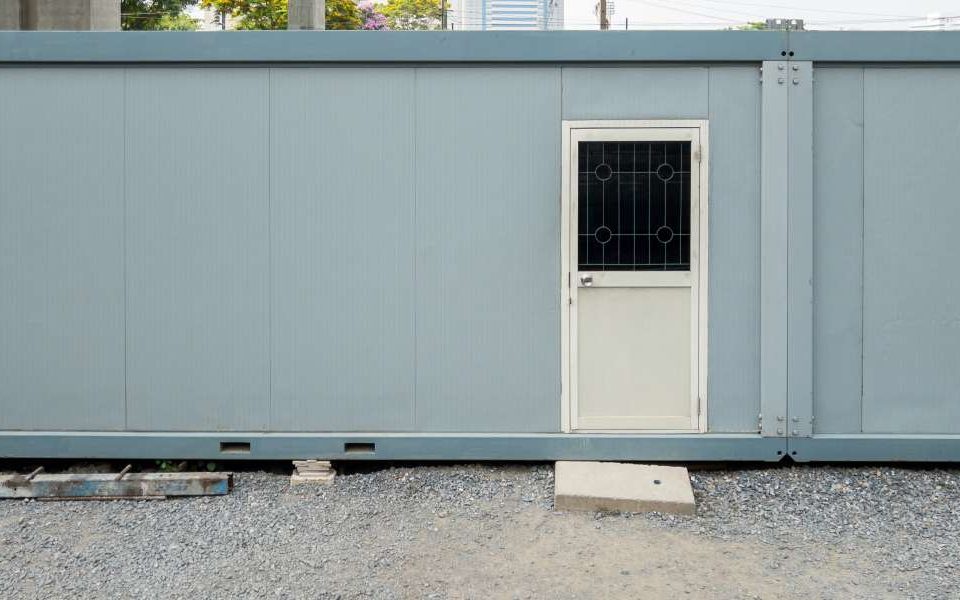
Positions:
{"x": 786, "y": 249}
{"x": 604, "y": 22}
{"x": 800, "y": 243}
{"x": 443, "y": 15}
{"x": 774, "y": 249}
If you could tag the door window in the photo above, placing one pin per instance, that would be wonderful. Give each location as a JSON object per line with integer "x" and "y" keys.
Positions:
{"x": 634, "y": 206}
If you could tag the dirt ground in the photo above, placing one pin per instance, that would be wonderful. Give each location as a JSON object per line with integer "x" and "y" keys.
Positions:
{"x": 460, "y": 532}
{"x": 532, "y": 554}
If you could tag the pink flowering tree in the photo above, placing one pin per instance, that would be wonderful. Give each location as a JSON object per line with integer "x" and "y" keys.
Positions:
{"x": 373, "y": 19}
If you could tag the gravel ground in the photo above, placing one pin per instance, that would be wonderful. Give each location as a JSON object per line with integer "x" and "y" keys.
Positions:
{"x": 479, "y": 531}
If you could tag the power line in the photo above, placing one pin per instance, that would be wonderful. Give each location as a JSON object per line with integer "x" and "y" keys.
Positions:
{"x": 868, "y": 21}
{"x": 739, "y": 15}
{"x": 690, "y": 12}
{"x": 798, "y": 8}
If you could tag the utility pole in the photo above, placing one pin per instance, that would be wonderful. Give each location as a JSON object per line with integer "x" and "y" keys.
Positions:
{"x": 443, "y": 15}
{"x": 604, "y": 22}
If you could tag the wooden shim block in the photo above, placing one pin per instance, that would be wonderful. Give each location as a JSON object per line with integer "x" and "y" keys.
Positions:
{"x": 134, "y": 485}
{"x": 312, "y": 471}
{"x": 312, "y": 465}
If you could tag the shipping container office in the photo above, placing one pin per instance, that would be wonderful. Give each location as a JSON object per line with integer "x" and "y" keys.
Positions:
{"x": 656, "y": 246}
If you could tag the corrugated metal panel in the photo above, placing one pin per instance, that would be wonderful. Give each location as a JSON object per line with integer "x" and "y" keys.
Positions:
{"x": 197, "y": 249}
{"x": 800, "y": 251}
{"x": 911, "y": 310}
{"x": 635, "y": 93}
{"x": 733, "y": 384}
{"x": 408, "y": 446}
{"x": 875, "y": 46}
{"x": 342, "y": 208}
{"x": 453, "y": 47}
{"x": 61, "y": 249}
{"x": 774, "y": 246}
{"x": 488, "y": 238}
{"x": 194, "y": 366}
{"x": 837, "y": 247}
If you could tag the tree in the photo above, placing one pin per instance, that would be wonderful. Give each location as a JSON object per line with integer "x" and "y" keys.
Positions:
{"x": 343, "y": 14}
{"x": 373, "y": 19}
{"x": 413, "y": 14}
{"x": 252, "y": 14}
{"x": 272, "y": 14}
{"x": 180, "y": 22}
{"x": 752, "y": 26}
{"x": 152, "y": 15}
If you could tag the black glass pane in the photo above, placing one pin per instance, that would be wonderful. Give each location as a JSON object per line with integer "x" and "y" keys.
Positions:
{"x": 634, "y": 206}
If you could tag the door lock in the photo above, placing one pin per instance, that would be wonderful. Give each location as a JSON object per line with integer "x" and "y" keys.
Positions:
{"x": 586, "y": 280}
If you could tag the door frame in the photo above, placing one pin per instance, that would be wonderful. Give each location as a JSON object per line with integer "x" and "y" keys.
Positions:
{"x": 568, "y": 396}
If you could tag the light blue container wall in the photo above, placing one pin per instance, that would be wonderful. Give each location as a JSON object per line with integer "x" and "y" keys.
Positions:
{"x": 911, "y": 288}
{"x": 197, "y": 249}
{"x": 887, "y": 297}
{"x": 61, "y": 249}
{"x": 488, "y": 260}
{"x": 729, "y": 96}
{"x": 733, "y": 384}
{"x": 837, "y": 248}
{"x": 329, "y": 249}
{"x": 342, "y": 229}
{"x": 611, "y": 92}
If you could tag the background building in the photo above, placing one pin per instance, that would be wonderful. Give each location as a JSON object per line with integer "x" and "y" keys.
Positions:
{"x": 493, "y": 15}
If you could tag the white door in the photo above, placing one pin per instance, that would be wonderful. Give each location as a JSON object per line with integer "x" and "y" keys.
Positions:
{"x": 634, "y": 270}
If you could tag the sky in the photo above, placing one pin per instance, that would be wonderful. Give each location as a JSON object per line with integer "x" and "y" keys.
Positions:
{"x": 714, "y": 14}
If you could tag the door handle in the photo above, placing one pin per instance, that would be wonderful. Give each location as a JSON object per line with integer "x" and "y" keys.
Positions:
{"x": 586, "y": 280}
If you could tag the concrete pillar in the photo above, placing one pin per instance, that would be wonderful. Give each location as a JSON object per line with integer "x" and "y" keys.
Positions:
{"x": 105, "y": 15}
{"x": 70, "y": 15}
{"x": 9, "y": 14}
{"x": 306, "y": 14}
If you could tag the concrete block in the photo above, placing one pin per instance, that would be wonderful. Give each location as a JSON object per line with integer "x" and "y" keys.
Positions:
{"x": 312, "y": 471}
{"x": 622, "y": 487}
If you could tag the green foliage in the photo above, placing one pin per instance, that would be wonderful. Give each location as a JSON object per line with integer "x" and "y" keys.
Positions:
{"x": 253, "y": 14}
{"x": 181, "y": 22}
{"x": 272, "y": 14}
{"x": 170, "y": 466}
{"x": 343, "y": 15}
{"x": 413, "y": 14}
{"x": 152, "y": 15}
{"x": 752, "y": 26}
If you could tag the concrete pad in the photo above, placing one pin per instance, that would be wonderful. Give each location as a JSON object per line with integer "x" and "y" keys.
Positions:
{"x": 622, "y": 487}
